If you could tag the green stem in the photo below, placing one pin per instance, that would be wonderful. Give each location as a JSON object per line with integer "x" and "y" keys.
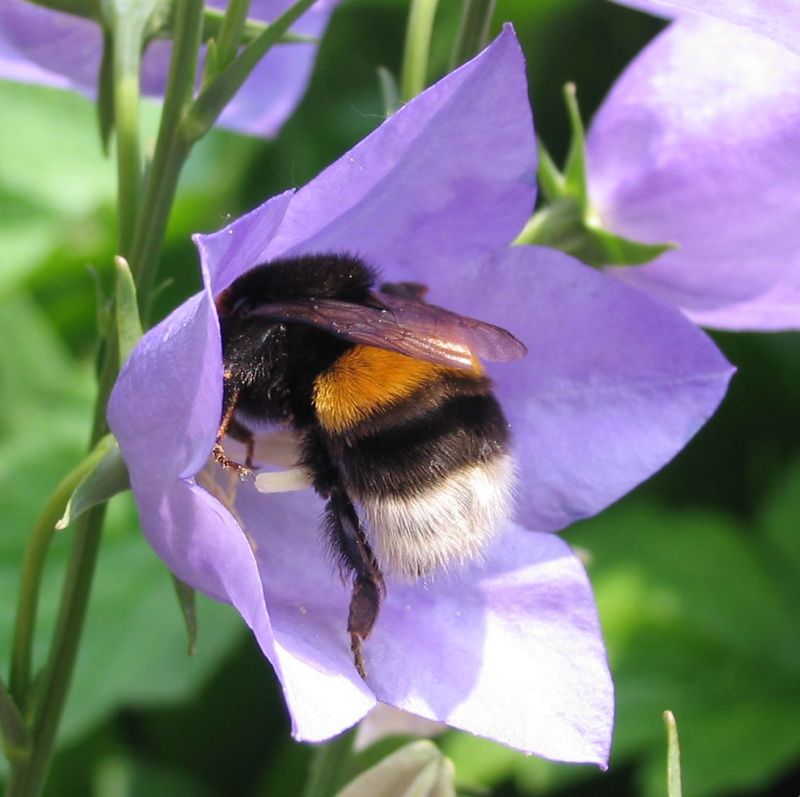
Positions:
{"x": 230, "y": 34}
{"x": 418, "y": 43}
{"x": 13, "y": 731}
{"x": 473, "y": 32}
{"x": 171, "y": 151}
{"x": 329, "y": 766}
{"x": 127, "y": 44}
{"x": 29, "y": 780}
{"x": 144, "y": 239}
{"x": 32, "y": 567}
{"x": 213, "y": 98}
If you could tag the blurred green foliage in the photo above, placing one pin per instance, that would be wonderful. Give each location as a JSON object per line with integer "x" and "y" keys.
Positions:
{"x": 697, "y": 575}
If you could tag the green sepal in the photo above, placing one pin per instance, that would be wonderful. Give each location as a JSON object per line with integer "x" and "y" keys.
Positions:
{"x": 390, "y": 91}
{"x": 107, "y": 476}
{"x": 562, "y": 225}
{"x": 575, "y": 182}
{"x": 129, "y": 325}
{"x": 551, "y": 181}
{"x": 617, "y": 250}
{"x": 187, "y": 601}
{"x": 567, "y": 221}
{"x": 417, "y": 770}
{"x": 674, "y": 788}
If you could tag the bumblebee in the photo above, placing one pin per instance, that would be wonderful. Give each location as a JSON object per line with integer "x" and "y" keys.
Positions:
{"x": 399, "y": 430}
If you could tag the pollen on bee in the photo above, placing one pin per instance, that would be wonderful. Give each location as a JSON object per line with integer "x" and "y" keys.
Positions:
{"x": 283, "y": 481}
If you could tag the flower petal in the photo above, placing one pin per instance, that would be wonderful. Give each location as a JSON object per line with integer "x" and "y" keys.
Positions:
{"x": 705, "y": 151}
{"x": 165, "y": 407}
{"x": 511, "y": 650}
{"x": 308, "y": 607}
{"x": 447, "y": 178}
{"x": 778, "y": 20}
{"x": 615, "y": 382}
{"x": 38, "y": 45}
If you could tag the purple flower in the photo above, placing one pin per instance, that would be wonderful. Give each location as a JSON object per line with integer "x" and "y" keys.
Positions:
{"x": 699, "y": 143}
{"x": 614, "y": 384}
{"x": 38, "y": 45}
{"x": 778, "y": 20}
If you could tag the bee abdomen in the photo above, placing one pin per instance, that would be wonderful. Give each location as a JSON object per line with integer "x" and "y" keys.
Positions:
{"x": 450, "y": 522}
{"x": 434, "y": 486}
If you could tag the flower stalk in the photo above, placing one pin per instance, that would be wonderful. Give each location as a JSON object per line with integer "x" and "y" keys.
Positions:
{"x": 413, "y": 75}
{"x": 473, "y": 30}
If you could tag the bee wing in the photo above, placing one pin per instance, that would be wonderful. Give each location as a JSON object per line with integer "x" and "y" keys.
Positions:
{"x": 404, "y": 325}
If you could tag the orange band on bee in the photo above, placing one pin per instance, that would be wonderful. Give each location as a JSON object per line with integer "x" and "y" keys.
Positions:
{"x": 366, "y": 380}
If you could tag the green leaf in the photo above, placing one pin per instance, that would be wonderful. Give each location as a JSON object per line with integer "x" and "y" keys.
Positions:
{"x": 698, "y": 620}
{"x": 129, "y": 325}
{"x": 416, "y": 770}
{"x": 414, "y": 71}
{"x": 107, "y": 478}
{"x": 673, "y": 756}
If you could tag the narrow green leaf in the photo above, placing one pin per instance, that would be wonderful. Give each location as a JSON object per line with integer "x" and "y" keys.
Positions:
{"x": 414, "y": 72}
{"x": 575, "y": 166}
{"x": 14, "y": 733}
{"x": 129, "y": 325}
{"x": 551, "y": 181}
{"x": 417, "y": 770}
{"x": 673, "y": 756}
{"x": 390, "y": 92}
{"x": 187, "y": 600}
{"x": 107, "y": 477}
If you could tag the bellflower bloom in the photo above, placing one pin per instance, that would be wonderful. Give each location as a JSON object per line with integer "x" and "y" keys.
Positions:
{"x": 614, "y": 384}
{"x": 51, "y": 48}
{"x": 778, "y": 20}
{"x": 698, "y": 143}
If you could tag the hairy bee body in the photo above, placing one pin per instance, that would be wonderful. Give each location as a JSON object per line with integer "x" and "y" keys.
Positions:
{"x": 411, "y": 454}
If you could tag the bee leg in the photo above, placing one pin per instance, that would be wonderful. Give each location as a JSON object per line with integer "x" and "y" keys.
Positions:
{"x": 230, "y": 398}
{"x": 243, "y": 435}
{"x": 348, "y": 540}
